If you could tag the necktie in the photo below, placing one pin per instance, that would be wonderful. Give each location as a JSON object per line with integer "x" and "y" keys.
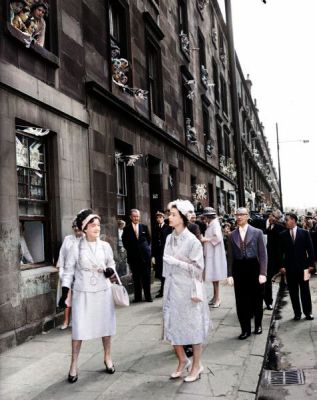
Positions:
{"x": 292, "y": 235}
{"x": 136, "y": 230}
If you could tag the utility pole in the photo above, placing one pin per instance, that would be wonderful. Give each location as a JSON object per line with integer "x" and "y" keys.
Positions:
{"x": 235, "y": 106}
{"x": 279, "y": 168}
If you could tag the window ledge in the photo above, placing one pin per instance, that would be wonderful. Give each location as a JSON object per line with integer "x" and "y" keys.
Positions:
{"x": 25, "y": 267}
{"x": 45, "y": 54}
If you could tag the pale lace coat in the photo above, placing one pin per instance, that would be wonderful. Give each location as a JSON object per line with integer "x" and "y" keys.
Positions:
{"x": 215, "y": 253}
{"x": 185, "y": 322}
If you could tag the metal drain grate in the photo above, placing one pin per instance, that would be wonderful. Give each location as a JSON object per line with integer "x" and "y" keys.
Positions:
{"x": 291, "y": 377}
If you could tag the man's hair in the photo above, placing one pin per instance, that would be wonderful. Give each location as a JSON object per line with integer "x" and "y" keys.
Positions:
{"x": 292, "y": 215}
{"x": 134, "y": 210}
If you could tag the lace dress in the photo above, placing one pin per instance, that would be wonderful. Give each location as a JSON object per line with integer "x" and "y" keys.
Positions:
{"x": 185, "y": 322}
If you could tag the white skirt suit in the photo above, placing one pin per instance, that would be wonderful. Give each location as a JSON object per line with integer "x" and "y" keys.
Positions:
{"x": 93, "y": 308}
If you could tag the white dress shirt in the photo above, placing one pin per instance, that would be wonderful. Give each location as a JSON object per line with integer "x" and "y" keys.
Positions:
{"x": 243, "y": 231}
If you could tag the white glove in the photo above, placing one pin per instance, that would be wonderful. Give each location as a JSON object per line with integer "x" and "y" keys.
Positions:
{"x": 170, "y": 259}
{"x": 230, "y": 281}
{"x": 262, "y": 279}
{"x": 153, "y": 260}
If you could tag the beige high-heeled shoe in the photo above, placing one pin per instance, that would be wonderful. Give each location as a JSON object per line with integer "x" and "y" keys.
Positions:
{"x": 193, "y": 378}
{"x": 178, "y": 374}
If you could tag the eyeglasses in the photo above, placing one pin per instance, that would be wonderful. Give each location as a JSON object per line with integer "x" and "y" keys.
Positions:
{"x": 240, "y": 215}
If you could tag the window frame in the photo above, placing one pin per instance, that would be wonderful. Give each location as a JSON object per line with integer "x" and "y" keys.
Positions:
{"x": 153, "y": 36}
{"x": 50, "y": 245}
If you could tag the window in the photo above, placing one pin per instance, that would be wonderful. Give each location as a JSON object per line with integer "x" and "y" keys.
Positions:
{"x": 216, "y": 79}
{"x": 188, "y": 86}
{"x": 211, "y": 197}
{"x": 202, "y": 59}
{"x": 227, "y": 143}
{"x": 32, "y": 169}
{"x": 220, "y": 140}
{"x": 125, "y": 178}
{"x": 183, "y": 27}
{"x": 153, "y": 36}
{"x": 172, "y": 183}
{"x": 224, "y": 100}
{"x": 206, "y": 126}
{"x": 118, "y": 26}
{"x": 121, "y": 187}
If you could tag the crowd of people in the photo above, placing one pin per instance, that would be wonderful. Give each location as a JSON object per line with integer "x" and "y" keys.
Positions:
{"x": 247, "y": 251}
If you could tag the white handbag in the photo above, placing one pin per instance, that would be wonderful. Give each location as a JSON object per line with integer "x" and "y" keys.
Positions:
{"x": 119, "y": 293}
{"x": 197, "y": 292}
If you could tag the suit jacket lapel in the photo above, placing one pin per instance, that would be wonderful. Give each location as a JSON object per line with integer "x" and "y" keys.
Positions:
{"x": 248, "y": 235}
{"x": 236, "y": 237}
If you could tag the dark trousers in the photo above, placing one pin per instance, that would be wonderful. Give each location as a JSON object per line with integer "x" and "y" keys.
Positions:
{"x": 141, "y": 275}
{"x": 296, "y": 285}
{"x": 249, "y": 293}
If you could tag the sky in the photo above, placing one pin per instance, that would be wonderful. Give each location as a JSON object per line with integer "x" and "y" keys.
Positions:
{"x": 276, "y": 45}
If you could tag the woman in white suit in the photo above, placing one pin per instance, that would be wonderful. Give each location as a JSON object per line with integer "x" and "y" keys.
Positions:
{"x": 90, "y": 263}
{"x": 185, "y": 322}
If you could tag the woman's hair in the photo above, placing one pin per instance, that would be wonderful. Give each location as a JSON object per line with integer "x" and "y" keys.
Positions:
{"x": 81, "y": 217}
{"x": 183, "y": 217}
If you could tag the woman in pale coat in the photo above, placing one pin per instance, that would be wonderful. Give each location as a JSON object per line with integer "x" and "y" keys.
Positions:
{"x": 215, "y": 254}
{"x": 68, "y": 243}
{"x": 185, "y": 321}
{"x": 91, "y": 264}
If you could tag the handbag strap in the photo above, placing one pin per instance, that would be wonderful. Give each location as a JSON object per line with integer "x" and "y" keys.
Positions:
{"x": 118, "y": 279}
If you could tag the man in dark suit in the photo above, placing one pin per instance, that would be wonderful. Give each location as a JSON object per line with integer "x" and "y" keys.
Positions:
{"x": 247, "y": 270}
{"x": 137, "y": 242}
{"x": 296, "y": 261}
{"x": 160, "y": 233}
{"x": 273, "y": 230}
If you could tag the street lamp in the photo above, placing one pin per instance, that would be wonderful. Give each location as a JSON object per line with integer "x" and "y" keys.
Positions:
{"x": 278, "y": 161}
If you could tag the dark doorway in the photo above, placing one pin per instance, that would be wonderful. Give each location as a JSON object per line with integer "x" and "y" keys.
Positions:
{"x": 155, "y": 185}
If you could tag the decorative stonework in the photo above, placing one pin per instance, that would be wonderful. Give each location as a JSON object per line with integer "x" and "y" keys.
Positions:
{"x": 204, "y": 75}
{"x": 120, "y": 69}
{"x": 202, "y": 4}
{"x": 200, "y": 192}
{"x": 227, "y": 167}
{"x": 129, "y": 160}
{"x": 191, "y": 133}
{"x": 185, "y": 42}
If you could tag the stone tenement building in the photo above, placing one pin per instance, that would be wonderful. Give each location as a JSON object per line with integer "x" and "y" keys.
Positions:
{"x": 111, "y": 104}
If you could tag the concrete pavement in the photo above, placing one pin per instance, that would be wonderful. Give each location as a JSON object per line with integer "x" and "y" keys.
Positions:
{"x": 38, "y": 369}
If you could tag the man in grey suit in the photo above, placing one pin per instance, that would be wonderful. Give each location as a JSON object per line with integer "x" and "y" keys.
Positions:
{"x": 247, "y": 270}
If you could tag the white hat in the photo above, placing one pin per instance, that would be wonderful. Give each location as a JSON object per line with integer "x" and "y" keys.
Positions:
{"x": 184, "y": 206}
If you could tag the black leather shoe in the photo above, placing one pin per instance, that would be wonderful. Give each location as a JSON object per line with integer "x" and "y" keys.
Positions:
{"x": 297, "y": 317}
{"x": 258, "y": 330}
{"x": 136, "y": 301}
{"x": 159, "y": 295}
{"x": 150, "y": 300}
{"x": 244, "y": 335}
{"x": 309, "y": 317}
{"x": 72, "y": 379}
{"x": 110, "y": 370}
{"x": 269, "y": 307}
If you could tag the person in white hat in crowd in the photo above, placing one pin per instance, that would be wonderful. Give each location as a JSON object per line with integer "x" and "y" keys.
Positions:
{"x": 215, "y": 254}
{"x": 186, "y": 322}
{"x": 90, "y": 265}
{"x": 68, "y": 243}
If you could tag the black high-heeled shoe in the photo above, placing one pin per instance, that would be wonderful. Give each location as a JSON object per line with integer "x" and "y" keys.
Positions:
{"x": 72, "y": 379}
{"x": 110, "y": 370}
